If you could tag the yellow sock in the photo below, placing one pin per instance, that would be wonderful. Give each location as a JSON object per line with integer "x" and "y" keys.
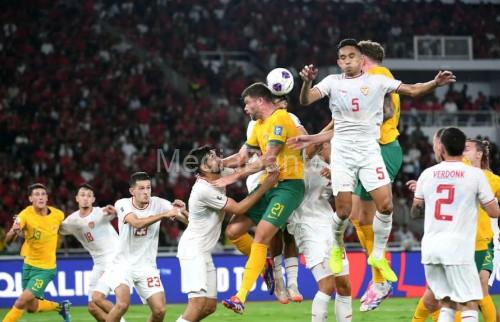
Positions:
{"x": 253, "y": 267}
{"x": 435, "y": 315}
{"x": 488, "y": 309}
{"x": 369, "y": 237}
{"x": 13, "y": 315}
{"x": 47, "y": 306}
{"x": 458, "y": 316}
{"x": 243, "y": 244}
{"x": 421, "y": 312}
{"x": 359, "y": 232}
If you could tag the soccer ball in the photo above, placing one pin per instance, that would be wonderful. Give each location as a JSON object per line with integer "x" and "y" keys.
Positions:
{"x": 280, "y": 81}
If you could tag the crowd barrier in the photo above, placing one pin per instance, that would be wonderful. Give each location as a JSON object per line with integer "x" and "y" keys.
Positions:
{"x": 73, "y": 274}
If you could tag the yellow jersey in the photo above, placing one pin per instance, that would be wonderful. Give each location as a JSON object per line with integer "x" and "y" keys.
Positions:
{"x": 484, "y": 231}
{"x": 389, "y": 129}
{"x": 40, "y": 236}
{"x": 277, "y": 128}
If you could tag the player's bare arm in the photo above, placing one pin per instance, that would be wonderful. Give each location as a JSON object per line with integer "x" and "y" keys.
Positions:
{"x": 442, "y": 78}
{"x": 238, "y": 159}
{"x": 308, "y": 94}
{"x": 109, "y": 210}
{"x": 13, "y": 233}
{"x": 139, "y": 223}
{"x": 388, "y": 108}
{"x": 492, "y": 208}
{"x": 302, "y": 141}
{"x": 313, "y": 149}
{"x": 417, "y": 209}
{"x": 241, "y": 208}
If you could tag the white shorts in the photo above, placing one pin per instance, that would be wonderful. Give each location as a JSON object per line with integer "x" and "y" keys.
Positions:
{"x": 315, "y": 242}
{"x": 147, "y": 282}
{"x": 355, "y": 160}
{"x": 458, "y": 282}
{"x": 97, "y": 282}
{"x": 495, "y": 274}
{"x": 198, "y": 276}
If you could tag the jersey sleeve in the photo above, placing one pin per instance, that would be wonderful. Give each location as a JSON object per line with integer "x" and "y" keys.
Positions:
{"x": 212, "y": 198}
{"x": 278, "y": 130}
{"x": 295, "y": 120}
{"x": 389, "y": 85}
{"x": 250, "y": 127}
{"x": 252, "y": 141}
{"x": 326, "y": 86}
{"x": 165, "y": 205}
{"x": 485, "y": 195}
{"x": 419, "y": 191}
{"x": 65, "y": 228}
{"x": 21, "y": 219}
{"x": 123, "y": 209}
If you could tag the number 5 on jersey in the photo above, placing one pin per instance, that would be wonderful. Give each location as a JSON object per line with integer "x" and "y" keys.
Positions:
{"x": 355, "y": 104}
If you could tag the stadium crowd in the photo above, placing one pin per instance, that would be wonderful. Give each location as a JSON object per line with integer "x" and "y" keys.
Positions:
{"x": 79, "y": 102}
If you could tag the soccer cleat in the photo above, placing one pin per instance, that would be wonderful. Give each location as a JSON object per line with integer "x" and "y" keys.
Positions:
{"x": 336, "y": 259}
{"x": 375, "y": 294}
{"x": 234, "y": 304}
{"x": 384, "y": 268}
{"x": 280, "y": 291}
{"x": 268, "y": 275}
{"x": 64, "y": 308}
{"x": 294, "y": 294}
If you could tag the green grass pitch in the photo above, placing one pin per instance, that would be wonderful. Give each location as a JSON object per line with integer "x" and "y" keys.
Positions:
{"x": 392, "y": 310}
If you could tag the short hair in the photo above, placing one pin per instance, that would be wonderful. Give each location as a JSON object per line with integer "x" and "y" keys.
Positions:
{"x": 483, "y": 146}
{"x": 453, "y": 141}
{"x": 372, "y": 49}
{"x": 348, "y": 42}
{"x": 138, "y": 176}
{"x": 85, "y": 186}
{"x": 36, "y": 186}
{"x": 197, "y": 157}
{"x": 258, "y": 89}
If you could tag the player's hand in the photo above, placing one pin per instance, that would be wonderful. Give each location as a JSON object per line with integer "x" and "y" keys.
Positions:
{"x": 299, "y": 142}
{"x": 308, "y": 73}
{"x": 179, "y": 203}
{"x": 272, "y": 178}
{"x": 109, "y": 210}
{"x": 444, "y": 78}
{"x": 412, "y": 185}
{"x": 226, "y": 180}
{"x": 172, "y": 213}
{"x": 325, "y": 172}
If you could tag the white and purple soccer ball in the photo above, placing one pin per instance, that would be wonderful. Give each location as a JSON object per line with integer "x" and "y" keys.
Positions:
{"x": 280, "y": 81}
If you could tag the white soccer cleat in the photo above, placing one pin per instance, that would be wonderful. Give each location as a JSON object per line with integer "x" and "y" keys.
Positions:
{"x": 280, "y": 291}
{"x": 294, "y": 294}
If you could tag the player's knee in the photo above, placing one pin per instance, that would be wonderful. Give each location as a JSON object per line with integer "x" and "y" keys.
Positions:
{"x": 343, "y": 210}
{"x": 344, "y": 289}
{"x": 327, "y": 285}
{"x": 97, "y": 298}
{"x": 430, "y": 303}
{"x": 121, "y": 307}
{"x": 92, "y": 308}
{"x": 386, "y": 207}
{"x": 159, "y": 312}
{"x": 210, "y": 308}
{"x": 232, "y": 232}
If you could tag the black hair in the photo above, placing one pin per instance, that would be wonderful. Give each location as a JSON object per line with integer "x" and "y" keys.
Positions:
{"x": 453, "y": 141}
{"x": 258, "y": 90}
{"x": 348, "y": 42}
{"x": 197, "y": 157}
{"x": 36, "y": 186}
{"x": 86, "y": 186}
{"x": 138, "y": 176}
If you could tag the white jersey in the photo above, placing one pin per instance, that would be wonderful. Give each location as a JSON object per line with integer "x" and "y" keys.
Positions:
{"x": 205, "y": 219}
{"x": 139, "y": 247}
{"x": 94, "y": 232}
{"x": 357, "y": 103}
{"x": 315, "y": 208}
{"x": 253, "y": 179}
{"x": 451, "y": 191}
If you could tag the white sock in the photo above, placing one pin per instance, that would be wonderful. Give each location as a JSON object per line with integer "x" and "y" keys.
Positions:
{"x": 343, "y": 308}
{"x": 292, "y": 270}
{"x": 470, "y": 316}
{"x": 447, "y": 315}
{"x": 278, "y": 260}
{"x": 320, "y": 307}
{"x": 382, "y": 225}
{"x": 339, "y": 226}
{"x": 180, "y": 319}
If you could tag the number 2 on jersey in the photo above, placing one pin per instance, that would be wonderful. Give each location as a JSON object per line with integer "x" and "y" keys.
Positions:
{"x": 355, "y": 104}
{"x": 444, "y": 201}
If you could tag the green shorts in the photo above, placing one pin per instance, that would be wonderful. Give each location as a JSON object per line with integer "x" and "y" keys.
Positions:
{"x": 484, "y": 259}
{"x": 36, "y": 279}
{"x": 393, "y": 159}
{"x": 278, "y": 203}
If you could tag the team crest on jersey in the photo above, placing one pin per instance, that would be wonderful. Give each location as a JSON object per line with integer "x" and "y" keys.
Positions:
{"x": 278, "y": 130}
{"x": 91, "y": 225}
{"x": 364, "y": 90}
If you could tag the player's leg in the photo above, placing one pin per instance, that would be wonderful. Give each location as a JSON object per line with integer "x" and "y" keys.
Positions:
{"x": 485, "y": 268}
{"x": 291, "y": 267}
{"x": 237, "y": 232}
{"x": 343, "y": 299}
{"x": 276, "y": 251}
{"x": 343, "y": 202}
{"x": 426, "y": 306}
{"x": 156, "y": 303}
{"x": 326, "y": 288}
{"x": 122, "y": 294}
{"x": 99, "y": 306}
